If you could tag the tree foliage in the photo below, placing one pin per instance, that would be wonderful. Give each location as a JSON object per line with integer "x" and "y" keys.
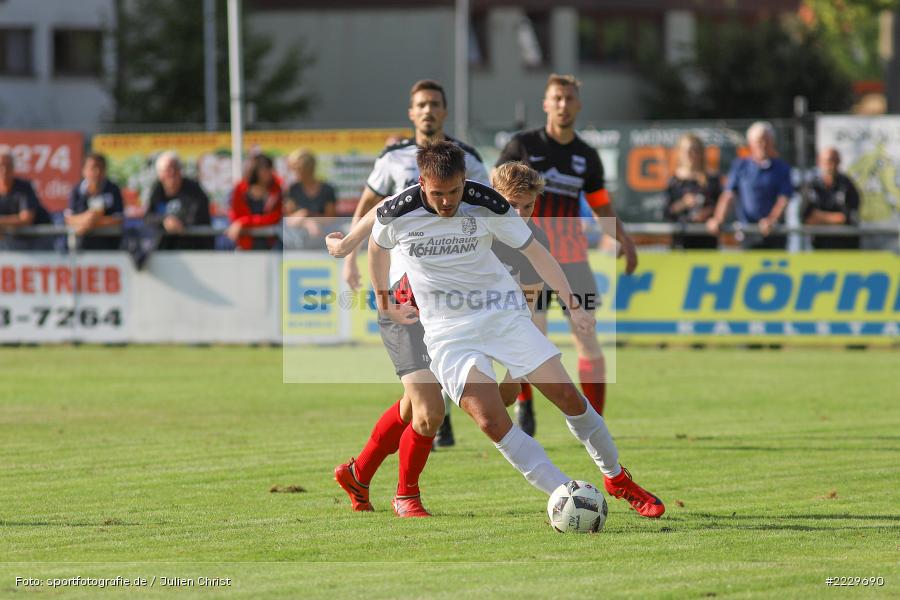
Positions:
{"x": 749, "y": 71}
{"x": 160, "y": 66}
{"x": 849, "y": 30}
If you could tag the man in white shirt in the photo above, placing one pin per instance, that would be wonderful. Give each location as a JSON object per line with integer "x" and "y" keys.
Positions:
{"x": 400, "y": 428}
{"x": 473, "y": 313}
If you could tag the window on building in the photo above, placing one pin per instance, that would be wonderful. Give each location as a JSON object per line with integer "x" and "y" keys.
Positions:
{"x": 15, "y": 52}
{"x": 626, "y": 39}
{"x": 479, "y": 51}
{"x": 78, "y": 52}
{"x": 534, "y": 39}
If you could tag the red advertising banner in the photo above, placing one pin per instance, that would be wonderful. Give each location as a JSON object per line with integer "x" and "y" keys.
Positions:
{"x": 51, "y": 160}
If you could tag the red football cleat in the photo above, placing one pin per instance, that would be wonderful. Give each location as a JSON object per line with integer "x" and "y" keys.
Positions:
{"x": 359, "y": 493}
{"x": 645, "y": 503}
{"x": 409, "y": 507}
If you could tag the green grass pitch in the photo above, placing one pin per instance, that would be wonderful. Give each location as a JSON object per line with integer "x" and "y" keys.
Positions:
{"x": 779, "y": 469}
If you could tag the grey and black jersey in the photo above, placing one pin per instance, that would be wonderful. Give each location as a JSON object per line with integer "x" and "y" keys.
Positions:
{"x": 396, "y": 168}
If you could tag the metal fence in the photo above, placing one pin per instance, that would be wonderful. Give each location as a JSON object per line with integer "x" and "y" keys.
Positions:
{"x": 637, "y": 158}
{"x": 652, "y": 233}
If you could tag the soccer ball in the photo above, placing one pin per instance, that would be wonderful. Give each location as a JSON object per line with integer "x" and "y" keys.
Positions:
{"x": 577, "y": 507}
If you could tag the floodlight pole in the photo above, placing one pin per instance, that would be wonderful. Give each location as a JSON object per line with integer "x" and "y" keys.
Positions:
{"x": 236, "y": 85}
{"x": 209, "y": 63}
{"x": 892, "y": 61}
{"x": 461, "y": 70}
{"x": 792, "y": 216}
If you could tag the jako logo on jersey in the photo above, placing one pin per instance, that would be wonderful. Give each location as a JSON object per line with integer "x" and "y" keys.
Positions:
{"x": 579, "y": 164}
{"x": 416, "y": 233}
{"x": 469, "y": 226}
{"x": 443, "y": 246}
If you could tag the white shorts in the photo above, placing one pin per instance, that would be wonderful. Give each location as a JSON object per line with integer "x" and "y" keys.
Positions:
{"x": 508, "y": 337}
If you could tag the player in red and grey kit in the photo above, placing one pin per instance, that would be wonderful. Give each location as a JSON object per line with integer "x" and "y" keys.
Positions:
{"x": 570, "y": 168}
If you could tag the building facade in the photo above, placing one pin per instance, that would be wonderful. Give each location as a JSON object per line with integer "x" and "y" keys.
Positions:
{"x": 368, "y": 53}
{"x": 57, "y": 56}
{"x": 54, "y": 58}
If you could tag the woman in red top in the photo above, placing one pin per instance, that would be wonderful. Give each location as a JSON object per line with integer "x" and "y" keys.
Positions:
{"x": 255, "y": 202}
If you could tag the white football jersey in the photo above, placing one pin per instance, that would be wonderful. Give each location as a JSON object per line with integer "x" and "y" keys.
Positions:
{"x": 396, "y": 169}
{"x": 451, "y": 269}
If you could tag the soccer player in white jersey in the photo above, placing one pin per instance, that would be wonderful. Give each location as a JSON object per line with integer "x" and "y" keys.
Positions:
{"x": 520, "y": 185}
{"x": 473, "y": 312}
{"x": 400, "y": 427}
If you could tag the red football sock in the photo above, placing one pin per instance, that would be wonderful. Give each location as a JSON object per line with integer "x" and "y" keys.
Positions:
{"x": 592, "y": 373}
{"x": 525, "y": 394}
{"x": 414, "y": 451}
{"x": 384, "y": 440}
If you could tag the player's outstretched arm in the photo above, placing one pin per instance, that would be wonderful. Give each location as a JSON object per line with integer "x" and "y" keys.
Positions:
{"x": 367, "y": 202}
{"x": 550, "y": 272}
{"x": 626, "y": 245}
{"x": 340, "y": 245}
{"x": 379, "y": 270}
{"x": 532, "y": 292}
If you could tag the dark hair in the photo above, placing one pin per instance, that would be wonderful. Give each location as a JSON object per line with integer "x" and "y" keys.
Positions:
{"x": 441, "y": 160}
{"x": 257, "y": 162}
{"x": 427, "y": 84}
{"x": 97, "y": 158}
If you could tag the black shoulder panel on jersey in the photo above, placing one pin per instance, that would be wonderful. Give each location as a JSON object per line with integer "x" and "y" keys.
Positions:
{"x": 396, "y": 206}
{"x": 401, "y": 144}
{"x": 530, "y": 140}
{"x": 583, "y": 144}
{"x": 527, "y": 133}
{"x": 468, "y": 149}
{"x": 481, "y": 195}
{"x": 532, "y": 136}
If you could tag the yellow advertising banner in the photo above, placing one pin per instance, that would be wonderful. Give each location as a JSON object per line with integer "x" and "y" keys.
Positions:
{"x": 691, "y": 297}
{"x": 309, "y": 307}
{"x": 756, "y": 297}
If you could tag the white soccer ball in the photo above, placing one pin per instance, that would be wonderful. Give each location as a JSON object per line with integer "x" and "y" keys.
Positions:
{"x": 577, "y": 507}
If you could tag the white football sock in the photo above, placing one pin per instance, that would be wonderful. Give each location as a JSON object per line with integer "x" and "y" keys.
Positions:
{"x": 528, "y": 456}
{"x": 590, "y": 429}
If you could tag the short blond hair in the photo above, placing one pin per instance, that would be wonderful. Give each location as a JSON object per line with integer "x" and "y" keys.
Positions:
{"x": 517, "y": 179}
{"x": 562, "y": 80}
{"x": 302, "y": 158}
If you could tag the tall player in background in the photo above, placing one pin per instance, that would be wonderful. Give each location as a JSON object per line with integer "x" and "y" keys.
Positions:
{"x": 394, "y": 171}
{"x": 570, "y": 167}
